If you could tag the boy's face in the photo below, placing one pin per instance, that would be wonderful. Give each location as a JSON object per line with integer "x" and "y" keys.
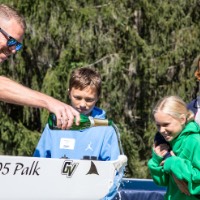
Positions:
{"x": 83, "y": 100}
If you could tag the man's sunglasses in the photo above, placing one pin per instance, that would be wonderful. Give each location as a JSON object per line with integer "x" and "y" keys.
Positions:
{"x": 11, "y": 41}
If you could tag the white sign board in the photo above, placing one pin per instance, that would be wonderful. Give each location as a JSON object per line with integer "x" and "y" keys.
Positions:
{"x": 30, "y": 178}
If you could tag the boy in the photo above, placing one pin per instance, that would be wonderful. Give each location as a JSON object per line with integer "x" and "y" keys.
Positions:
{"x": 100, "y": 142}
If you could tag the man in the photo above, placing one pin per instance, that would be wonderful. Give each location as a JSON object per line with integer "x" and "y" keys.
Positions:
{"x": 12, "y": 29}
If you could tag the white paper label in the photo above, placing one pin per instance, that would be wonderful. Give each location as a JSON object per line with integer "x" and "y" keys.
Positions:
{"x": 67, "y": 143}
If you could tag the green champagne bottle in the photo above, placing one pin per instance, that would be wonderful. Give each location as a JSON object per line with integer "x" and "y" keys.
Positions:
{"x": 85, "y": 122}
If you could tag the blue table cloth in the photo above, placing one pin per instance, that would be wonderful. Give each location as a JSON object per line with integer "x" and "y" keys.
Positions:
{"x": 139, "y": 189}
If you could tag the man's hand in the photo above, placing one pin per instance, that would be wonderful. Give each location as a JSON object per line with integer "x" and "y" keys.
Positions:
{"x": 65, "y": 114}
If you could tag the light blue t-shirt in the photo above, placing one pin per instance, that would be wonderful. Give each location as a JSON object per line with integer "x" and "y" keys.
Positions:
{"x": 100, "y": 141}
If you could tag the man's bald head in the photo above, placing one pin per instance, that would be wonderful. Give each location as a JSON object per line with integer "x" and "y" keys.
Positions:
{"x": 8, "y": 13}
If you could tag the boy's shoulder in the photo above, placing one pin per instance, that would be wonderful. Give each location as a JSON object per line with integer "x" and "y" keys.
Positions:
{"x": 98, "y": 113}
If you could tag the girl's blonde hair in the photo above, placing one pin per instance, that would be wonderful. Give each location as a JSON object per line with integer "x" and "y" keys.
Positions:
{"x": 174, "y": 106}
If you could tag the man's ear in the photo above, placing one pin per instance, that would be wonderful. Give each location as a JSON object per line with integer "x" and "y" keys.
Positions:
{"x": 68, "y": 91}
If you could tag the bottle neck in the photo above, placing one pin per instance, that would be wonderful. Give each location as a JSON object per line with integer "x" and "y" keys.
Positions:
{"x": 100, "y": 122}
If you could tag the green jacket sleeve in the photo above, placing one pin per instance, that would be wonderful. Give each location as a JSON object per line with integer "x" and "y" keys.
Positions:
{"x": 156, "y": 170}
{"x": 187, "y": 166}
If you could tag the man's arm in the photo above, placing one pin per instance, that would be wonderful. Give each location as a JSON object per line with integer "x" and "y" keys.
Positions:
{"x": 15, "y": 93}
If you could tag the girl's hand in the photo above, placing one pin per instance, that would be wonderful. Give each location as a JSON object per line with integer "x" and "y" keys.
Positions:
{"x": 172, "y": 153}
{"x": 161, "y": 149}
{"x": 182, "y": 185}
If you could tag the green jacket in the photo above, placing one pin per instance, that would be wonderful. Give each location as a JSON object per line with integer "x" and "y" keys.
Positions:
{"x": 185, "y": 165}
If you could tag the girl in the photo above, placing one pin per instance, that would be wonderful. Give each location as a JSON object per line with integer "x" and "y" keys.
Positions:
{"x": 176, "y": 124}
